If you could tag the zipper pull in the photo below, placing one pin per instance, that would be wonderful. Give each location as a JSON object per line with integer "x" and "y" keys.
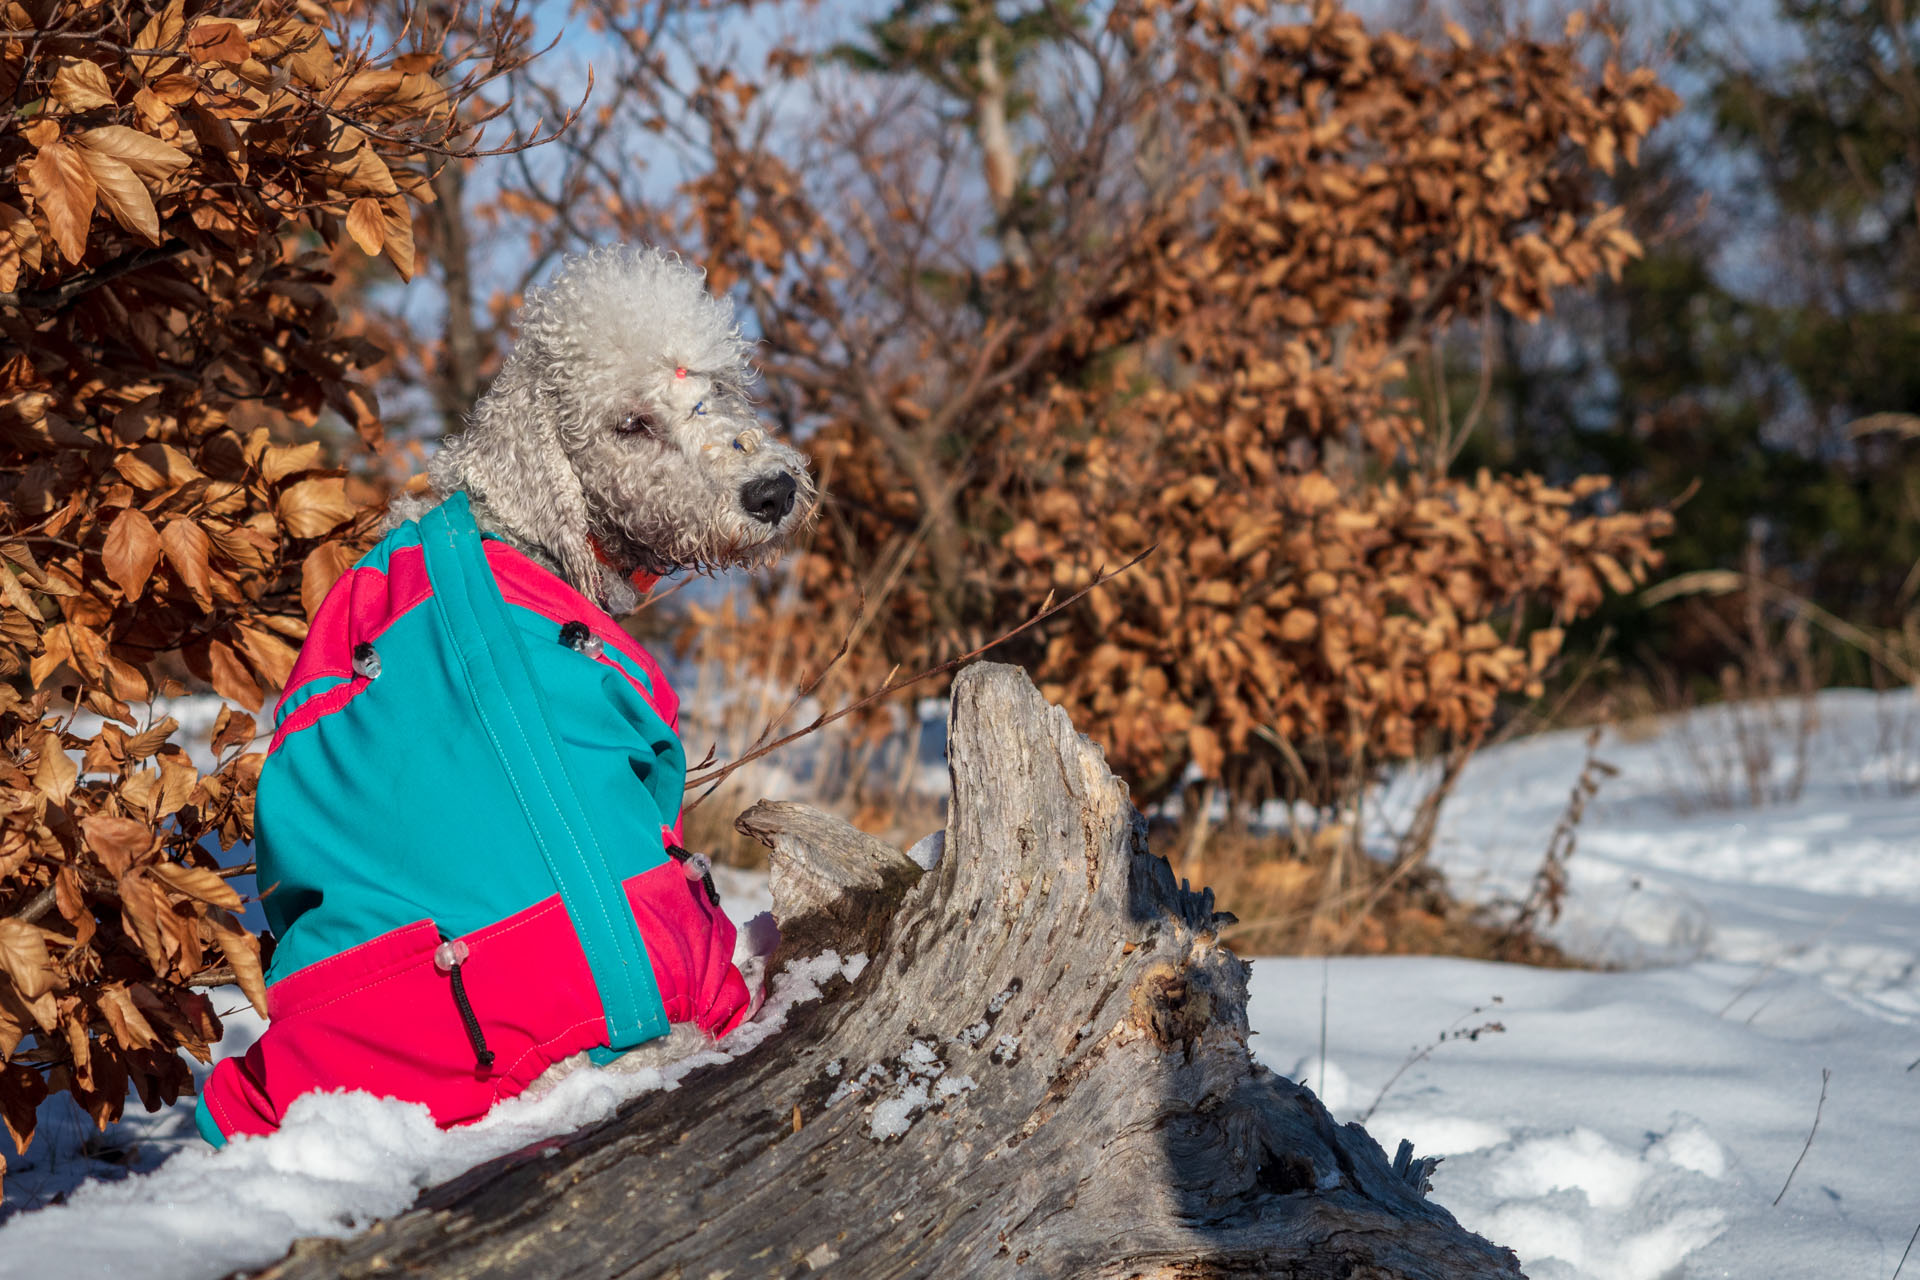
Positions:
{"x": 447, "y": 958}
{"x": 697, "y": 866}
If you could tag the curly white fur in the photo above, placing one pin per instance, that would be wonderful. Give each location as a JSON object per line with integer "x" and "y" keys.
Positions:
{"x": 620, "y": 434}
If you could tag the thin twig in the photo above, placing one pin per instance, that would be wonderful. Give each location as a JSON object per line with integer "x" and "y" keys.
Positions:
{"x": 1826, "y": 1074}
{"x": 1780, "y": 956}
{"x": 805, "y": 688}
{"x": 894, "y": 686}
{"x": 1291, "y": 918}
{"x": 58, "y": 298}
{"x": 512, "y": 145}
{"x": 1453, "y": 1031}
{"x": 1722, "y": 581}
{"x": 37, "y": 906}
{"x": 1482, "y": 393}
{"x": 1909, "y": 1249}
{"x": 1528, "y": 720}
{"x": 1549, "y": 888}
{"x": 655, "y": 597}
{"x": 1326, "y": 971}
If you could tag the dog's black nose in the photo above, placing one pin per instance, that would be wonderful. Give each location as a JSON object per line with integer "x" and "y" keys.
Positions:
{"x": 769, "y": 499}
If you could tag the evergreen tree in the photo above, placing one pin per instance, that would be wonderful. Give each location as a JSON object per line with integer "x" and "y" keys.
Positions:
{"x": 1765, "y": 354}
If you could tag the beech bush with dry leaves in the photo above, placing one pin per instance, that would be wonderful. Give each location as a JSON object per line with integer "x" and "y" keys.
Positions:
{"x": 1234, "y": 254}
{"x": 175, "y": 177}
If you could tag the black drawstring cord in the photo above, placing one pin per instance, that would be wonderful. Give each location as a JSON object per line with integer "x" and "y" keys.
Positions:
{"x": 701, "y": 863}
{"x": 482, "y": 1056}
{"x": 449, "y": 958}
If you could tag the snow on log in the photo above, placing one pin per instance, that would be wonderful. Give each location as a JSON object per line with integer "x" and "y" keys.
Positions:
{"x": 1043, "y": 1070}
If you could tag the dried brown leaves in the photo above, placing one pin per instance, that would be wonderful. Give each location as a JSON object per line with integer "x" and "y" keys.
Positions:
{"x": 167, "y": 327}
{"x": 1223, "y": 367}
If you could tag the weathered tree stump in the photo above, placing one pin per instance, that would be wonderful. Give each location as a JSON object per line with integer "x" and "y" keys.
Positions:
{"x": 1043, "y": 1070}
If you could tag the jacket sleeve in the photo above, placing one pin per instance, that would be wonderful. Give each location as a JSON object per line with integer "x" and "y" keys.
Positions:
{"x": 690, "y": 944}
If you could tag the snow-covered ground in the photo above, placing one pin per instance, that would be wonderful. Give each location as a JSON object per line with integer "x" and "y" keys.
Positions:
{"x": 1638, "y": 1124}
{"x": 1632, "y": 1124}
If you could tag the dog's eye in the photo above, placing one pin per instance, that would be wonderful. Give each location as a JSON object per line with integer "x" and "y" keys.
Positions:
{"x": 635, "y": 424}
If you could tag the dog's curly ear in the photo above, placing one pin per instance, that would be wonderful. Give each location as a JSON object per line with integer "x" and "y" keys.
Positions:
{"x": 510, "y": 457}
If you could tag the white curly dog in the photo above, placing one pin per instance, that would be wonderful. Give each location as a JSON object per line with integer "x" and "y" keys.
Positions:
{"x": 618, "y": 444}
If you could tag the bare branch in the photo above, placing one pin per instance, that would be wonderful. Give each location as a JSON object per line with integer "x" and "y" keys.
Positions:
{"x": 894, "y": 686}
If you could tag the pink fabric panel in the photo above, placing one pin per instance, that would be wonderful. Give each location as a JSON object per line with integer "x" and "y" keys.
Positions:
{"x": 312, "y": 709}
{"x": 360, "y": 606}
{"x": 528, "y": 585}
{"x": 690, "y": 944}
{"x": 374, "y": 606}
{"x": 381, "y": 1018}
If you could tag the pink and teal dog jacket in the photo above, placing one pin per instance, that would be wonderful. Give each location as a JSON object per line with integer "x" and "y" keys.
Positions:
{"x": 462, "y": 833}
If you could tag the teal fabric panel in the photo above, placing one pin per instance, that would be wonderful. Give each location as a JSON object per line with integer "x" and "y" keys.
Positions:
{"x": 476, "y": 623}
{"x": 203, "y": 1121}
{"x": 405, "y": 535}
{"x": 392, "y": 809}
{"x": 613, "y": 741}
{"x": 633, "y": 669}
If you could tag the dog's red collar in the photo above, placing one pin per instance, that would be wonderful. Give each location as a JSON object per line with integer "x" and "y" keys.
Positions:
{"x": 642, "y": 581}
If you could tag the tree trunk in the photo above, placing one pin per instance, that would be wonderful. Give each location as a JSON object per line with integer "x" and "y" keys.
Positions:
{"x": 1042, "y": 1071}
{"x": 462, "y": 354}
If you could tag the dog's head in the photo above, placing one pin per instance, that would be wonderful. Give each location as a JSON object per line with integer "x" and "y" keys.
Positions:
{"x": 620, "y": 435}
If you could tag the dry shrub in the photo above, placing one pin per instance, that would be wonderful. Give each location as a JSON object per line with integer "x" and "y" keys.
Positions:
{"x": 1328, "y": 900}
{"x": 1048, "y": 287}
{"x": 167, "y": 337}
{"x": 1232, "y": 289}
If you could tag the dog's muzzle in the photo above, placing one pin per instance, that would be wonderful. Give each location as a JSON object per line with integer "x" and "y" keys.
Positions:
{"x": 768, "y": 499}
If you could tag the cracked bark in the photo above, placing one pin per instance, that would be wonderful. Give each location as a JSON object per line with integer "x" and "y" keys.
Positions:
{"x": 1103, "y": 1116}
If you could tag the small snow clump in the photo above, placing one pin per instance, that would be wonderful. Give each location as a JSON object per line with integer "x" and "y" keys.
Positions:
{"x": 926, "y": 853}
